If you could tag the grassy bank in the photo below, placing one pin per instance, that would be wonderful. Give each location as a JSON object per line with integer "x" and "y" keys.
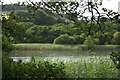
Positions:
{"x": 58, "y": 47}
{"x": 91, "y": 68}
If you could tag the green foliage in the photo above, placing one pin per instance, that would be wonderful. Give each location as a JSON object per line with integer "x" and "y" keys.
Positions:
{"x": 41, "y": 18}
{"x": 58, "y": 47}
{"x": 7, "y": 44}
{"x": 53, "y": 30}
{"x": 116, "y": 37}
{"x": 100, "y": 67}
{"x": 64, "y": 39}
{"x": 96, "y": 41}
{"x": 38, "y": 18}
{"x": 8, "y": 31}
{"x": 33, "y": 69}
{"x": 23, "y": 16}
{"x": 47, "y": 34}
{"x": 115, "y": 56}
{"x": 103, "y": 37}
{"x": 21, "y": 29}
{"x": 79, "y": 39}
{"x": 39, "y": 34}
{"x": 117, "y": 27}
{"x": 89, "y": 42}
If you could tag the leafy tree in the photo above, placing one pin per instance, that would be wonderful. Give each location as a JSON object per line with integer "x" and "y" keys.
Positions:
{"x": 21, "y": 29}
{"x": 96, "y": 40}
{"x": 47, "y": 34}
{"x": 79, "y": 39}
{"x": 89, "y": 42}
{"x": 64, "y": 39}
{"x": 116, "y": 37}
{"x": 8, "y": 31}
{"x": 38, "y": 18}
{"x": 23, "y": 16}
{"x": 61, "y": 8}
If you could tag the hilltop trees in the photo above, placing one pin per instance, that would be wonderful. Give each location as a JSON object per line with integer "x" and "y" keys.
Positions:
{"x": 64, "y": 39}
{"x": 71, "y": 11}
{"x": 38, "y": 18}
{"x": 116, "y": 38}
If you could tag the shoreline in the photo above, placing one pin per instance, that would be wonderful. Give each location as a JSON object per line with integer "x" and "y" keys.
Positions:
{"x": 59, "y": 47}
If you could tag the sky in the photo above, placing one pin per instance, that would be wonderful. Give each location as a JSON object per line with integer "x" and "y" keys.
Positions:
{"x": 109, "y": 4}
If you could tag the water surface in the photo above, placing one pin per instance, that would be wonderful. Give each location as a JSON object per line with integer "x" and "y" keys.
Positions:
{"x": 54, "y": 55}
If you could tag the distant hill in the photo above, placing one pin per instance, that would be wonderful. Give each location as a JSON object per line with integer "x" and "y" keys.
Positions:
{"x": 11, "y": 7}
{"x": 39, "y": 18}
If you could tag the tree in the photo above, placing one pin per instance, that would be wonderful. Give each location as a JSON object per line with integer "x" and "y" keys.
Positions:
{"x": 70, "y": 10}
{"x": 89, "y": 42}
{"x": 64, "y": 39}
{"x": 8, "y": 31}
{"x": 116, "y": 37}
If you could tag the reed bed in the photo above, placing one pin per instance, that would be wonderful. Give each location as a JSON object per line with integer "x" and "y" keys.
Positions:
{"x": 101, "y": 67}
{"x": 97, "y": 67}
{"x": 59, "y": 47}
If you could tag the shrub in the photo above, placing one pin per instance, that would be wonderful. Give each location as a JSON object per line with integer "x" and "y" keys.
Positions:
{"x": 7, "y": 46}
{"x": 115, "y": 56}
{"x": 103, "y": 37}
{"x": 79, "y": 39}
{"x": 64, "y": 39}
{"x": 113, "y": 41}
{"x": 96, "y": 40}
{"x": 43, "y": 69}
{"x": 89, "y": 42}
{"x": 116, "y": 36}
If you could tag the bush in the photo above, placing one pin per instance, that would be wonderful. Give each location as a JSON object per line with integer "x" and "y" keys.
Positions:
{"x": 116, "y": 37}
{"x": 64, "y": 39}
{"x": 103, "y": 37}
{"x": 89, "y": 42}
{"x": 35, "y": 70}
{"x": 79, "y": 39}
{"x": 96, "y": 41}
{"x": 7, "y": 44}
{"x": 113, "y": 41}
{"x": 115, "y": 56}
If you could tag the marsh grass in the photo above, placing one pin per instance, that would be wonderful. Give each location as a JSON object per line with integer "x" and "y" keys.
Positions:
{"x": 58, "y": 47}
{"x": 95, "y": 67}
{"x": 101, "y": 67}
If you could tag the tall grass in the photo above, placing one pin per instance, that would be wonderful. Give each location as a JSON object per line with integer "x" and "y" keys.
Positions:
{"x": 101, "y": 67}
{"x": 58, "y": 47}
{"x": 41, "y": 47}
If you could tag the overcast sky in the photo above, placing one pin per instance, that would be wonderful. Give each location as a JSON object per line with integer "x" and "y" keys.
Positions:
{"x": 109, "y": 4}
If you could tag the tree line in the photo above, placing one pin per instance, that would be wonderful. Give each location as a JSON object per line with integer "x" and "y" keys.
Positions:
{"x": 45, "y": 29}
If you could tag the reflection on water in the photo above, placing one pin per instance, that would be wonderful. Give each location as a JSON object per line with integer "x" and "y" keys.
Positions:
{"x": 54, "y": 55}
{"x": 65, "y": 58}
{"x": 57, "y": 53}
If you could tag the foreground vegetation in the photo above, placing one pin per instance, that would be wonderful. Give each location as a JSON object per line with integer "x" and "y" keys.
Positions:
{"x": 60, "y": 47}
{"x": 101, "y": 67}
{"x": 31, "y": 28}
